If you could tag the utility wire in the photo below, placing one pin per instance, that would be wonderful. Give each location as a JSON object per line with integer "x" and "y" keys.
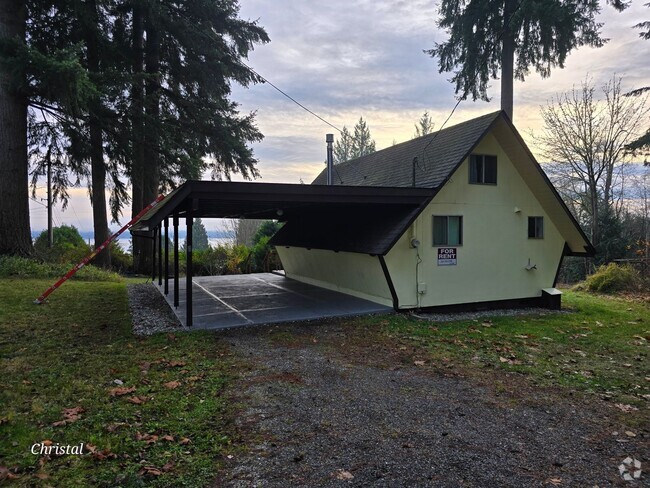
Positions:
{"x": 293, "y": 99}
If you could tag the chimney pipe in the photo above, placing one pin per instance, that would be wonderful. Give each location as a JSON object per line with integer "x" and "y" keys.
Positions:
{"x": 329, "y": 138}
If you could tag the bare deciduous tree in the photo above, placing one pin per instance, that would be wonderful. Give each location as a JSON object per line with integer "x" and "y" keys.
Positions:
{"x": 585, "y": 138}
{"x": 241, "y": 231}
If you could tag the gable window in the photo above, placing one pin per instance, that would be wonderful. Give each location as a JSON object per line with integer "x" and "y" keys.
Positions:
{"x": 483, "y": 169}
{"x": 447, "y": 230}
{"x": 535, "y": 227}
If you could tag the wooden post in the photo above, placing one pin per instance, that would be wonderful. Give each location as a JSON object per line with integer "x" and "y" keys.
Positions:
{"x": 175, "y": 260}
{"x": 166, "y": 255}
{"x": 188, "y": 273}
{"x": 153, "y": 256}
{"x": 160, "y": 256}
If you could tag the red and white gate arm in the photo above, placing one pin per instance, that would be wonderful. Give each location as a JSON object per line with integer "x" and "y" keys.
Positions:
{"x": 85, "y": 260}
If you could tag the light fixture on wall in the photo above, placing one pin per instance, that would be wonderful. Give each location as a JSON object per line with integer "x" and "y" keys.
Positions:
{"x": 530, "y": 266}
{"x": 517, "y": 210}
{"x": 415, "y": 243}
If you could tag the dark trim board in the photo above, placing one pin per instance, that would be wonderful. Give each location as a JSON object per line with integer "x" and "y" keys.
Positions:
{"x": 566, "y": 251}
{"x": 389, "y": 281}
{"x": 537, "y": 302}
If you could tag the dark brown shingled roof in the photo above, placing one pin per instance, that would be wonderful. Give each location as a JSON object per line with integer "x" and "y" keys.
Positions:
{"x": 393, "y": 166}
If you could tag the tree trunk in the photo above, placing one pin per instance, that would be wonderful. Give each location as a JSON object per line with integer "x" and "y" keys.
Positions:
{"x": 97, "y": 166}
{"x": 507, "y": 59}
{"x": 151, "y": 179}
{"x": 15, "y": 234}
{"x": 141, "y": 250}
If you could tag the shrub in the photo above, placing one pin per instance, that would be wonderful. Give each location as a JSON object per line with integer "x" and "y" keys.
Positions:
{"x": 612, "y": 278}
{"x": 238, "y": 260}
{"x": 67, "y": 246}
{"x": 14, "y": 266}
{"x": 121, "y": 261}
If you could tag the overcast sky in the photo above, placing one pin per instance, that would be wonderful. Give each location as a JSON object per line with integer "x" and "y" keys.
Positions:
{"x": 344, "y": 60}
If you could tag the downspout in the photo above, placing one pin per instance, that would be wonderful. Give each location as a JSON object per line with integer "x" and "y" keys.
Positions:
{"x": 389, "y": 282}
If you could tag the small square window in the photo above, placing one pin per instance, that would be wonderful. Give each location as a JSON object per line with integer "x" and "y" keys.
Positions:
{"x": 535, "y": 227}
{"x": 483, "y": 169}
{"x": 447, "y": 230}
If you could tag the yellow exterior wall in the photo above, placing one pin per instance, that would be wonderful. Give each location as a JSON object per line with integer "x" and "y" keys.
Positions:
{"x": 491, "y": 262}
{"x": 359, "y": 275}
{"x": 495, "y": 251}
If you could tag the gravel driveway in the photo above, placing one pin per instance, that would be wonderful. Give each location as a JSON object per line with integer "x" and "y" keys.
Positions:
{"x": 317, "y": 413}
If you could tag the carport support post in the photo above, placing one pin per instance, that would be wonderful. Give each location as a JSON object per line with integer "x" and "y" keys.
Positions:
{"x": 175, "y": 260}
{"x": 188, "y": 273}
{"x": 166, "y": 256}
{"x": 153, "y": 256}
{"x": 160, "y": 256}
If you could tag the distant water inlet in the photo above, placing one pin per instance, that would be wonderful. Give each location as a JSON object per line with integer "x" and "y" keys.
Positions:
{"x": 125, "y": 242}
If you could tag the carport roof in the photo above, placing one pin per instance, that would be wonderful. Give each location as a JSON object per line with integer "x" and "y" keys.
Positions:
{"x": 340, "y": 218}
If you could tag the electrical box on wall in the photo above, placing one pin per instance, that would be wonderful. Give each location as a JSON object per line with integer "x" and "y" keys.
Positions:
{"x": 422, "y": 288}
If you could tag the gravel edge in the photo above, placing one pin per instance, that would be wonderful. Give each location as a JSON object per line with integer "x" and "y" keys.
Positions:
{"x": 150, "y": 311}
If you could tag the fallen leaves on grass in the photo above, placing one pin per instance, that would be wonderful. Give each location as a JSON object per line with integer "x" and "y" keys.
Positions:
{"x": 173, "y": 364}
{"x": 419, "y": 363}
{"x": 121, "y": 391}
{"x": 147, "y": 438}
{"x": 184, "y": 441}
{"x": 6, "y": 474}
{"x": 70, "y": 415}
{"x": 113, "y": 427}
{"x": 149, "y": 471}
{"x": 510, "y": 361}
{"x": 137, "y": 400}
{"x": 554, "y": 481}
{"x": 625, "y": 408}
{"x": 100, "y": 455}
{"x": 172, "y": 385}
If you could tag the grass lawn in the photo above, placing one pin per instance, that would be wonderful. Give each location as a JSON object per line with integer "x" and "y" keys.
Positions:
{"x": 601, "y": 346}
{"x": 168, "y": 424}
{"x": 171, "y": 422}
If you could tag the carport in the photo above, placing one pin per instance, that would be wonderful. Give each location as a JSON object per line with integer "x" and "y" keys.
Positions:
{"x": 221, "y": 302}
{"x": 366, "y": 220}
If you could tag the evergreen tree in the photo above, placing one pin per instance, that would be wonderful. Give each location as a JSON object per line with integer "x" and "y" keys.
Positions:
{"x": 362, "y": 142}
{"x": 191, "y": 55}
{"x": 512, "y": 36}
{"x": 199, "y": 236}
{"x": 343, "y": 146}
{"x": 15, "y": 237}
{"x": 643, "y": 142}
{"x": 424, "y": 126}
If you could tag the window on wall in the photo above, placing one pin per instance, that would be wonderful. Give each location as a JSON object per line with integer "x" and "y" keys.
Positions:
{"x": 535, "y": 227}
{"x": 483, "y": 169}
{"x": 447, "y": 230}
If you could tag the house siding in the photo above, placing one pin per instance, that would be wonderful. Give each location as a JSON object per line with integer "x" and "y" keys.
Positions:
{"x": 491, "y": 262}
{"x": 356, "y": 274}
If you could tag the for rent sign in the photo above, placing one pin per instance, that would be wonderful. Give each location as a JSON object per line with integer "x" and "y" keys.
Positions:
{"x": 446, "y": 256}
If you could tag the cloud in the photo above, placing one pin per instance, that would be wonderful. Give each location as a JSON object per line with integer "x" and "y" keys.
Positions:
{"x": 346, "y": 59}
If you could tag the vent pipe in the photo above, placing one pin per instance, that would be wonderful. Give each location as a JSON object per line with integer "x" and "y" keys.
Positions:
{"x": 329, "y": 138}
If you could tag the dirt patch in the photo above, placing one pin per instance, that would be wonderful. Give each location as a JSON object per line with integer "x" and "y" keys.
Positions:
{"x": 368, "y": 412}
